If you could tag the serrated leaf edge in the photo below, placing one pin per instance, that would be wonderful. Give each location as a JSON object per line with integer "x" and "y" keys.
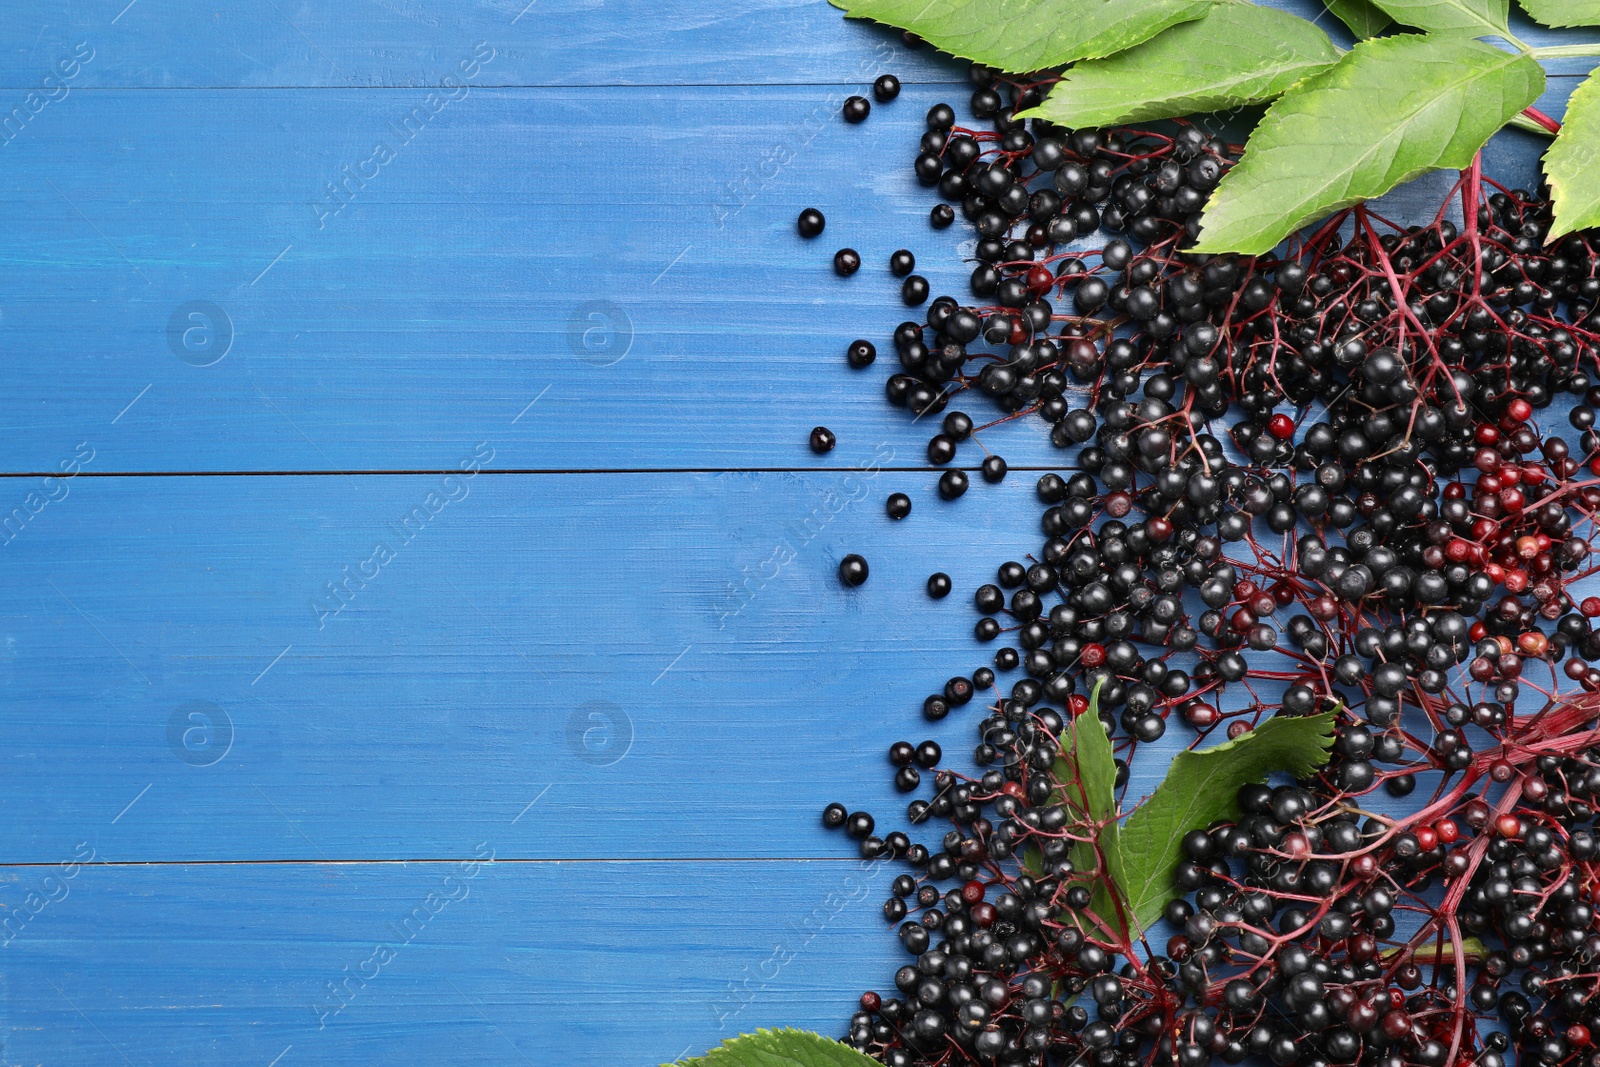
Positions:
{"x": 718, "y": 1056}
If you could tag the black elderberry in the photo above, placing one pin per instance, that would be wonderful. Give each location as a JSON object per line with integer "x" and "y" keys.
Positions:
{"x": 822, "y": 440}
{"x": 898, "y": 506}
{"x": 994, "y": 469}
{"x": 902, "y": 263}
{"x": 852, "y": 570}
{"x": 885, "y": 88}
{"x": 856, "y": 109}
{"x": 914, "y": 290}
{"x": 952, "y": 484}
{"x": 958, "y": 426}
{"x": 938, "y": 585}
{"x": 861, "y": 354}
{"x": 810, "y": 223}
{"x": 846, "y": 262}
{"x": 941, "y": 216}
{"x": 834, "y": 815}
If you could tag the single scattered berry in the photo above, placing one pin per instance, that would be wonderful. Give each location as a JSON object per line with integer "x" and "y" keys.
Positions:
{"x": 952, "y": 484}
{"x": 834, "y": 815}
{"x": 822, "y": 440}
{"x": 860, "y": 354}
{"x": 958, "y": 425}
{"x": 914, "y": 290}
{"x": 852, "y": 570}
{"x": 941, "y": 450}
{"x": 901, "y": 263}
{"x": 846, "y": 262}
{"x": 938, "y": 585}
{"x": 898, "y": 506}
{"x": 886, "y": 88}
{"x": 994, "y": 469}
{"x": 811, "y": 223}
{"x": 856, "y": 109}
{"x": 941, "y": 216}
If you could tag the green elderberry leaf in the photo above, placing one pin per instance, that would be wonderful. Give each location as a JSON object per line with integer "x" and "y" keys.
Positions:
{"x": 1021, "y": 36}
{"x": 1571, "y": 163}
{"x": 1471, "y": 17}
{"x": 1390, "y": 110}
{"x": 1086, "y": 776}
{"x": 1238, "y": 54}
{"x": 1563, "y": 12}
{"x": 1201, "y": 788}
{"x": 780, "y": 1048}
{"x": 1361, "y": 16}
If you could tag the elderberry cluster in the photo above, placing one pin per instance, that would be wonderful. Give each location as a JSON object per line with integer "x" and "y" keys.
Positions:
{"x": 1314, "y": 482}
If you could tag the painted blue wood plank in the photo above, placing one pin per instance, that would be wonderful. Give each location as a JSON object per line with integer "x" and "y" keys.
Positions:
{"x": 600, "y": 964}
{"x": 390, "y": 43}
{"x": 634, "y": 665}
{"x": 646, "y": 289}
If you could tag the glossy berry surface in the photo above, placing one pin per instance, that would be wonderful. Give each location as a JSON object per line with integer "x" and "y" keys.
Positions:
{"x": 938, "y": 585}
{"x": 822, "y": 440}
{"x": 856, "y": 109}
{"x": 885, "y": 88}
{"x": 898, "y": 506}
{"x": 952, "y": 484}
{"x": 861, "y": 354}
{"x": 810, "y": 223}
{"x": 846, "y": 262}
{"x": 852, "y": 570}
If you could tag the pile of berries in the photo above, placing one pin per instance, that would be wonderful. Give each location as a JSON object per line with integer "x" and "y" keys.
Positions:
{"x": 1318, "y": 482}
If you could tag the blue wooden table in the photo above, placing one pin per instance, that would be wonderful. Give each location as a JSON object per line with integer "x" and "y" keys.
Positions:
{"x": 419, "y": 632}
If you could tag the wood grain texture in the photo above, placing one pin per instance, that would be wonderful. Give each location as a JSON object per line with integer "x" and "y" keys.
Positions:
{"x": 590, "y": 964}
{"x": 667, "y": 662}
{"x": 647, "y": 290}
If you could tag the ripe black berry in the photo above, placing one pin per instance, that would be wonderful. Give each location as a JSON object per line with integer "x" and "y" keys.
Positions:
{"x": 952, "y": 484}
{"x": 860, "y": 354}
{"x": 886, "y": 88}
{"x": 856, "y": 109}
{"x": 898, "y": 506}
{"x": 941, "y": 216}
{"x": 901, "y": 263}
{"x": 846, "y": 262}
{"x": 852, "y": 570}
{"x": 958, "y": 425}
{"x": 810, "y": 223}
{"x": 938, "y": 585}
{"x": 834, "y": 815}
{"x": 914, "y": 290}
{"x": 994, "y": 469}
{"x": 822, "y": 440}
